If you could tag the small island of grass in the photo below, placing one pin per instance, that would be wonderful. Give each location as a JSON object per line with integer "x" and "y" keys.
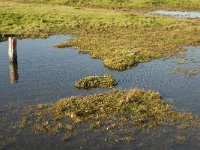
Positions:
{"x": 142, "y": 109}
{"x": 105, "y": 81}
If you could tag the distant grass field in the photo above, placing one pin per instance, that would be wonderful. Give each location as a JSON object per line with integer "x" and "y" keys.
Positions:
{"x": 120, "y": 38}
{"x": 146, "y": 4}
{"x": 22, "y": 18}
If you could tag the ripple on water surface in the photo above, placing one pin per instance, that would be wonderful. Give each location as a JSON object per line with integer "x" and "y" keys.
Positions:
{"x": 46, "y": 73}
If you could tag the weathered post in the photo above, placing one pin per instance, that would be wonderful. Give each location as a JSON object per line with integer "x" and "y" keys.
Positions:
{"x": 14, "y": 75}
{"x": 12, "y": 49}
{"x": 13, "y": 65}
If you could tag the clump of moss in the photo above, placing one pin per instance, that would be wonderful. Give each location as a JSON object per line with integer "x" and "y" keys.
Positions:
{"x": 120, "y": 63}
{"x": 105, "y": 81}
{"x": 143, "y": 109}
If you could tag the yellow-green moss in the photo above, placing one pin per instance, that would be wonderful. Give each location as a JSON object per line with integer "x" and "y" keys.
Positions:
{"x": 105, "y": 81}
{"x": 144, "y": 109}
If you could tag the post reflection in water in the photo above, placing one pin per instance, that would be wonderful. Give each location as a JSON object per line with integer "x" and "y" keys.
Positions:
{"x": 13, "y": 65}
{"x": 14, "y": 75}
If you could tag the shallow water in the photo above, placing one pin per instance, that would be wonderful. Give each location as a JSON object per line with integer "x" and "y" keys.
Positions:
{"x": 45, "y": 73}
{"x": 178, "y": 14}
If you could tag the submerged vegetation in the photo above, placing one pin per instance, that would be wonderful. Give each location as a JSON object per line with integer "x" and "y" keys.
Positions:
{"x": 188, "y": 71}
{"x": 105, "y": 81}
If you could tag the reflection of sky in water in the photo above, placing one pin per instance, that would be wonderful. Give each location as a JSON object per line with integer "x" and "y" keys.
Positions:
{"x": 47, "y": 73}
{"x": 179, "y": 14}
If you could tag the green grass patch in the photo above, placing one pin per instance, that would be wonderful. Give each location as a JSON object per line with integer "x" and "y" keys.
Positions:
{"x": 121, "y": 39}
{"x": 105, "y": 81}
{"x": 125, "y": 4}
{"x": 121, "y": 48}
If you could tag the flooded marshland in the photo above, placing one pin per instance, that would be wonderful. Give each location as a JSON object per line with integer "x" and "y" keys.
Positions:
{"x": 44, "y": 74}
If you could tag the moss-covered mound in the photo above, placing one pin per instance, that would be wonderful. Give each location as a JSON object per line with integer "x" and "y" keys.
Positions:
{"x": 105, "y": 81}
{"x": 143, "y": 109}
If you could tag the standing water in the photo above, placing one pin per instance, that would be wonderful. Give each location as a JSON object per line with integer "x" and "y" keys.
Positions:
{"x": 178, "y": 14}
{"x": 44, "y": 73}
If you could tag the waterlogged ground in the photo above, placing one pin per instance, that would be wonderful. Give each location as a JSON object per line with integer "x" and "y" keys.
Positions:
{"x": 45, "y": 73}
{"x": 178, "y": 14}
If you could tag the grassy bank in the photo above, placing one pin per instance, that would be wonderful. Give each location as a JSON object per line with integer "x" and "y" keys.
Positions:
{"x": 120, "y": 39}
{"x": 125, "y": 4}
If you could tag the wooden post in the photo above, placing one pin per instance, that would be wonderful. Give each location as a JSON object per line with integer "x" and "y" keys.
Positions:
{"x": 12, "y": 49}
{"x": 12, "y": 53}
{"x": 14, "y": 75}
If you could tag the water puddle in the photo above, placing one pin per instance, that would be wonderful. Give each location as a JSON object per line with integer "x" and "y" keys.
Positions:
{"x": 178, "y": 14}
{"x": 44, "y": 73}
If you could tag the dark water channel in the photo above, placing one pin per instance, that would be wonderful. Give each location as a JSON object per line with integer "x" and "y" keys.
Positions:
{"x": 45, "y": 73}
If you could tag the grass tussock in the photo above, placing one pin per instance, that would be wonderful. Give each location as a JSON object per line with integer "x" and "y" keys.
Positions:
{"x": 143, "y": 109}
{"x": 105, "y": 81}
